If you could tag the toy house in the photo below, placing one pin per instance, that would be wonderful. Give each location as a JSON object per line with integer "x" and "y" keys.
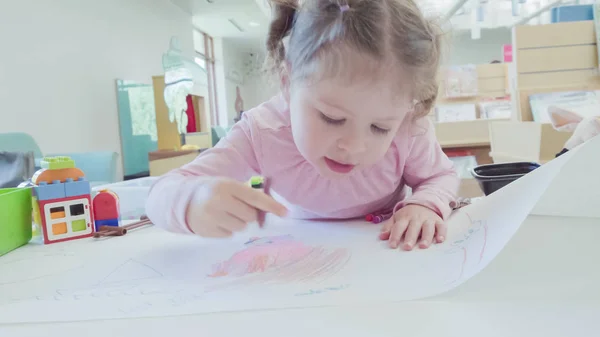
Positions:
{"x": 61, "y": 201}
{"x": 106, "y": 209}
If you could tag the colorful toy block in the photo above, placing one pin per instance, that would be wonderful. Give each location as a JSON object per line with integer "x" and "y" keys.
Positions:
{"x": 66, "y": 219}
{"x": 74, "y": 188}
{"x": 57, "y": 163}
{"x": 45, "y": 191}
{"x": 109, "y": 222}
{"x": 106, "y": 205}
{"x": 62, "y": 201}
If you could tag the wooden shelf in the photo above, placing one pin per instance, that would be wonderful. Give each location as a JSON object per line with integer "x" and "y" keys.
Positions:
{"x": 464, "y": 134}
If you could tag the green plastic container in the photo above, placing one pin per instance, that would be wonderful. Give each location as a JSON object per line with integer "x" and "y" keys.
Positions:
{"x": 15, "y": 218}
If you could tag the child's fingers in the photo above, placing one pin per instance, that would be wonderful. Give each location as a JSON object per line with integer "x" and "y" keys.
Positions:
{"x": 242, "y": 211}
{"x": 441, "y": 229}
{"x": 219, "y": 232}
{"x": 233, "y": 223}
{"x": 385, "y": 229}
{"x": 211, "y": 231}
{"x": 396, "y": 232}
{"x": 387, "y": 225}
{"x": 260, "y": 200}
{"x": 412, "y": 234}
{"x": 224, "y": 219}
{"x": 427, "y": 233}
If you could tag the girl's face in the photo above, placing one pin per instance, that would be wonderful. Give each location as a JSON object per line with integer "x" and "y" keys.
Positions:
{"x": 343, "y": 127}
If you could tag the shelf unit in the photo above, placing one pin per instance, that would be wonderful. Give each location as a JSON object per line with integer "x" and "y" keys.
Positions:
{"x": 492, "y": 83}
{"x": 548, "y": 58}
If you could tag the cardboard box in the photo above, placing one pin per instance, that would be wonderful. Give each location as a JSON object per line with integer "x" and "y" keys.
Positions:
{"x": 469, "y": 188}
{"x": 525, "y": 141}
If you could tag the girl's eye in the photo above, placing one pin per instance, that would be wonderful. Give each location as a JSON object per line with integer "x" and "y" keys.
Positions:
{"x": 379, "y": 130}
{"x": 332, "y": 121}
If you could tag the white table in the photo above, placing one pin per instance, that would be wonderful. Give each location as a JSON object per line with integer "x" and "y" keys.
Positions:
{"x": 546, "y": 291}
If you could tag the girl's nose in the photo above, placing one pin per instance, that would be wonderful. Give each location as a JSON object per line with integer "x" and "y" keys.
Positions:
{"x": 352, "y": 144}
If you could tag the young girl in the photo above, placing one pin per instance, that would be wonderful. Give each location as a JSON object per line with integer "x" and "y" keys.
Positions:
{"x": 344, "y": 138}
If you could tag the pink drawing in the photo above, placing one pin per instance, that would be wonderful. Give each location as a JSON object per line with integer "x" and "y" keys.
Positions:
{"x": 262, "y": 254}
{"x": 279, "y": 259}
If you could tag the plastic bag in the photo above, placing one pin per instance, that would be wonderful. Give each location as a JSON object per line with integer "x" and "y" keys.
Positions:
{"x": 15, "y": 168}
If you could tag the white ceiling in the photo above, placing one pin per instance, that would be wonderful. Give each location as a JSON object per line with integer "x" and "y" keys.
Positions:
{"x": 219, "y": 18}
{"x": 245, "y": 21}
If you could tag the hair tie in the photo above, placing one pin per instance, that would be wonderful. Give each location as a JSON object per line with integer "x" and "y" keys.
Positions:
{"x": 344, "y": 8}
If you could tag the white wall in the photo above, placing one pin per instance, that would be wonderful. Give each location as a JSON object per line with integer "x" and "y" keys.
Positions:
{"x": 233, "y": 58}
{"x": 60, "y": 60}
{"x": 257, "y": 90}
{"x": 254, "y": 88}
{"x": 223, "y": 117}
{"x": 464, "y": 50}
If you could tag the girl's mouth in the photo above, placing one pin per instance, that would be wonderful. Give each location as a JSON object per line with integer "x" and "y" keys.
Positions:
{"x": 338, "y": 167}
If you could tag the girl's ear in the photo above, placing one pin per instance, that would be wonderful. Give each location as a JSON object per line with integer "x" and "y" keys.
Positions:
{"x": 285, "y": 81}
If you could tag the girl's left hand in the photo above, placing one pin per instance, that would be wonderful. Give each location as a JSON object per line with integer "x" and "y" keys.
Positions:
{"x": 414, "y": 222}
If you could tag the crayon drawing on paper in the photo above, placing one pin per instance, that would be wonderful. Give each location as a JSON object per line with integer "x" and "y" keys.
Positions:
{"x": 278, "y": 260}
{"x": 471, "y": 246}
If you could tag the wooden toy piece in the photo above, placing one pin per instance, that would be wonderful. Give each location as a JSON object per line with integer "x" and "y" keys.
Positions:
{"x": 106, "y": 209}
{"x": 105, "y": 231}
{"x": 62, "y": 201}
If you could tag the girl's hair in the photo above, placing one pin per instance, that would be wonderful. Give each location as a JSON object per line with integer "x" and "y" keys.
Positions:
{"x": 323, "y": 34}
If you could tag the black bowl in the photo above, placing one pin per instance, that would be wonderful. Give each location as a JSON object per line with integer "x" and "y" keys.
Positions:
{"x": 493, "y": 177}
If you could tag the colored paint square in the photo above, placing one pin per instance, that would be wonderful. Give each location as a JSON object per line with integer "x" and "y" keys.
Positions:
{"x": 57, "y": 213}
{"x": 59, "y": 228}
{"x": 78, "y": 225}
{"x": 77, "y": 209}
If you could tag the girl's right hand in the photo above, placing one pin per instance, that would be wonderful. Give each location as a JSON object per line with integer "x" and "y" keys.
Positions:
{"x": 224, "y": 206}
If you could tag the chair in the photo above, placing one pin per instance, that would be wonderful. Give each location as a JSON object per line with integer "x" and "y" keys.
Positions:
{"x": 218, "y": 132}
{"x": 100, "y": 167}
{"x": 19, "y": 142}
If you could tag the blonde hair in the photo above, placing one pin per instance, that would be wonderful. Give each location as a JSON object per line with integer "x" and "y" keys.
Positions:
{"x": 381, "y": 30}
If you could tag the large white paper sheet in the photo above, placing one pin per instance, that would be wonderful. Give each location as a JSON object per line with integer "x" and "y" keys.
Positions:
{"x": 287, "y": 264}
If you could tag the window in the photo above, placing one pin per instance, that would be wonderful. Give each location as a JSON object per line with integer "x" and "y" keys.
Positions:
{"x": 205, "y": 58}
{"x": 201, "y": 62}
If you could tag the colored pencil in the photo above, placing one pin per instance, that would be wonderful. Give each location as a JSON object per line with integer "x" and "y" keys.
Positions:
{"x": 262, "y": 214}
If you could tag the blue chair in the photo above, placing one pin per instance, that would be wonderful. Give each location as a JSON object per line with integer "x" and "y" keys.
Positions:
{"x": 100, "y": 167}
{"x": 218, "y": 132}
{"x": 19, "y": 142}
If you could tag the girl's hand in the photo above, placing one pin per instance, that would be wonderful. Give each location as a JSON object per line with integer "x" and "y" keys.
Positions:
{"x": 414, "y": 222}
{"x": 225, "y": 206}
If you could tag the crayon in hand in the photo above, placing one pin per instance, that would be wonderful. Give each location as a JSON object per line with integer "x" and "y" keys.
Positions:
{"x": 264, "y": 184}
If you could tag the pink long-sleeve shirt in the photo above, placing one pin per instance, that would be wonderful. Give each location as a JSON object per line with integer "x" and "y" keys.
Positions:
{"x": 261, "y": 143}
